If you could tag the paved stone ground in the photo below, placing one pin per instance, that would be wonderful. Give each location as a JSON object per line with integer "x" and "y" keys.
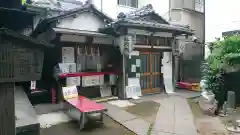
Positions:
{"x": 47, "y": 108}
{"x": 130, "y": 121}
{"x": 206, "y": 125}
{"x": 110, "y": 127}
{"x": 174, "y": 117}
{"x": 210, "y": 126}
{"x": 228, "y": 121}
{"x": 147, "y": 110}
{"x": 174, "y": 111}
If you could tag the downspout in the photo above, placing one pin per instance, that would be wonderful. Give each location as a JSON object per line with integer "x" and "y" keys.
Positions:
{"x": 101, "y": 5}
{"x": 169, "y": 11}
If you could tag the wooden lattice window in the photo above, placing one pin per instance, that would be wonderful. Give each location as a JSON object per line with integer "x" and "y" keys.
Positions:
{"x": 142, "y": 40}
{"x": 161, "y": 41}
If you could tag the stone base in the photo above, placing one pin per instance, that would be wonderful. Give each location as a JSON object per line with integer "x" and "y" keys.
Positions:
{"x": 223, "y": 115}
{"x": 26, "y": 119}
{"x": 207, "y": 107}
{"x": 33, "y": 129}
{"x": 231, "y": 129}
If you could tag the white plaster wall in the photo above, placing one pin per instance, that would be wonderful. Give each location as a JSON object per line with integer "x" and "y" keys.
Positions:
{"x": 195, "y": 21}
{"x": 84, "y": 21}
{"x": 167, "y": 72}
{"x": 112, "y": 9}
{"x": 161, "y": 7}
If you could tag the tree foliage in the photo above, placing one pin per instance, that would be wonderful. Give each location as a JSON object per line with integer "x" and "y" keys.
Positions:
{"x": 224, "y": 57}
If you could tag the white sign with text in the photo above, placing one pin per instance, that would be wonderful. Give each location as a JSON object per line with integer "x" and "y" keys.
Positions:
{"x": 95, "y": 80}
{"x": 70, "y": 92}
{"x": 33, "y": 85}
{"x": 134, "y": 88}
{"x": 73, "y": 81}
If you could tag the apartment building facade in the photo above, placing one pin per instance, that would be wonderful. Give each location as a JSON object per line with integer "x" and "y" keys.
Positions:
{"x": 192, "y": 49}
{"x": 189, "y": 12}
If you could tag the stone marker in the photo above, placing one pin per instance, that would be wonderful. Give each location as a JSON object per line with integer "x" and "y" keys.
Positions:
{"x": 231, "y": 100}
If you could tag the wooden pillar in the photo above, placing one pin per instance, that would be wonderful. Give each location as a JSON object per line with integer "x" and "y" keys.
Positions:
{"x": 7, "y": 109}
{"x": 124, "y": 75}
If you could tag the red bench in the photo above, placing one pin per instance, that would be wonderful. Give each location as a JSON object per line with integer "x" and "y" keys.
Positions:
{"x": 83, "y": 106}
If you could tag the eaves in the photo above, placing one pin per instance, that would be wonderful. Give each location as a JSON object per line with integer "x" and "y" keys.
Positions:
{"x": 188, "y": 10}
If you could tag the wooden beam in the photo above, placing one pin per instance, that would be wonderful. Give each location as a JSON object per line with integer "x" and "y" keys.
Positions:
{"x": 149, "y": 33}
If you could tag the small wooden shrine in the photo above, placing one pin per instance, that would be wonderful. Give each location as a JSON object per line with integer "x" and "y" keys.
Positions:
{"x": 106, "y": 58}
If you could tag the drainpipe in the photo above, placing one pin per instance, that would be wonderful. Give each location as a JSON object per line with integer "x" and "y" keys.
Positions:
{"x": 169, "y": 11}
{"x": 101, "y": 5}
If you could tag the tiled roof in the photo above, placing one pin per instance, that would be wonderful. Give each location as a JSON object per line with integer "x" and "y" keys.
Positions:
{"x": 141, "y": 12}
{"x": 85, "y": 8}
{"x": 138, "y": 19}
{"x": 130, "y": 22}
{"x": 4, "y": 31}
{"x": 58, "y": 5}
{"x": 144, "y": 11}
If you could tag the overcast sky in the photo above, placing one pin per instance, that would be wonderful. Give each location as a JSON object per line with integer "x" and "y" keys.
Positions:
{"x": 221, "y": 15}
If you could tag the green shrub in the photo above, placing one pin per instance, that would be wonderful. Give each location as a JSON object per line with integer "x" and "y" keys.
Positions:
{"x": 225, "y": 55}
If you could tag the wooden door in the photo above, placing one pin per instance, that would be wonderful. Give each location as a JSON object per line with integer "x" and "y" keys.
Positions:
{"x": 150, "y": 79}
{"x": 156, "y": 75}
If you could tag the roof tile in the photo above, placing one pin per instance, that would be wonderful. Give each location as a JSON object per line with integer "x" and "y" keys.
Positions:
{"x": 58, "y": 5}
{"x": 136, "y": 18}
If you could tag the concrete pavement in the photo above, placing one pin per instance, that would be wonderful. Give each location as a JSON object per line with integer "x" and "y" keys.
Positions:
{"x": 130, "y": 121}
{"x": 110, "y": 127}
{"x": 173, "y": 118}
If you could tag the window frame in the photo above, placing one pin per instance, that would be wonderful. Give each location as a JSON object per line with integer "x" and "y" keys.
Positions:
{"x": 127, "y": 3}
